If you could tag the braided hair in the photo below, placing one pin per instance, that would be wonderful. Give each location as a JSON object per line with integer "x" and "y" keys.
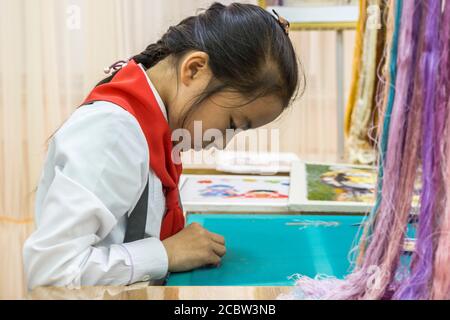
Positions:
{"x": 249, "y": 51}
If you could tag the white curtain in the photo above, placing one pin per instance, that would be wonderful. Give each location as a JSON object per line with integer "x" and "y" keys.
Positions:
{"x": 51, "y": 54}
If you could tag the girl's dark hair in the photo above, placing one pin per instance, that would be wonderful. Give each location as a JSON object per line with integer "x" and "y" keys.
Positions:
{"x": 249, "y": 52}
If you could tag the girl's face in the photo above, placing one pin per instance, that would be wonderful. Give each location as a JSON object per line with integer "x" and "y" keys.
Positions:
{"x": 224, "y": 110}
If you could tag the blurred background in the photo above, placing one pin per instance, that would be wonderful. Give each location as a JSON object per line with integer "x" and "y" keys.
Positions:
{"x": 52, "y": 52}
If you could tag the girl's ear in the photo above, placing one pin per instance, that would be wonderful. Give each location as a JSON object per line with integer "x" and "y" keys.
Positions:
{"x": 194, "y": 66}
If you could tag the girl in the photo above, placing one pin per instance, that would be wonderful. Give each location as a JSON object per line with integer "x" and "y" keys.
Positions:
{"x": 107, "y": 209}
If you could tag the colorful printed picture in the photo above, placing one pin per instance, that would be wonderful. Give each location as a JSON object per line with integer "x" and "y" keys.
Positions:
{"x": 340, "y": 183}
{"x": 201, "y": 193}
{"x": 318, "y": 187}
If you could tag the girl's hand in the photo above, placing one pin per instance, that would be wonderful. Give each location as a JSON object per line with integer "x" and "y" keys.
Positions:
{"x": 194, "y": 247}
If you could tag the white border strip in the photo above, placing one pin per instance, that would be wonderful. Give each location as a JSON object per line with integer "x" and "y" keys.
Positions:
{"x": 328, "y": 14}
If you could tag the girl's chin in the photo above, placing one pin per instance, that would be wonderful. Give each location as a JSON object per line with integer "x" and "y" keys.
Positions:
{"x": 203, "y": 147}
{"x": 209, "y": 146}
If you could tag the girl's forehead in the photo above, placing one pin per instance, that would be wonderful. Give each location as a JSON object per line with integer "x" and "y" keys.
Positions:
{"x": 260, "y": 111}
{"x": 257, "y": 112}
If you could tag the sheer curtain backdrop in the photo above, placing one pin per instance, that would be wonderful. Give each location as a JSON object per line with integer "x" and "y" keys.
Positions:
{"x": 52, "y": 52}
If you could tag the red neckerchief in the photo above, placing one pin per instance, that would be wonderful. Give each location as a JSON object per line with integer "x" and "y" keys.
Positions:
{"x": 130, "y": 90}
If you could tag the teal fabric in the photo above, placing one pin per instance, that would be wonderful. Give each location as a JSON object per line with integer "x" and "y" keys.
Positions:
{"x": 264, "y": 250}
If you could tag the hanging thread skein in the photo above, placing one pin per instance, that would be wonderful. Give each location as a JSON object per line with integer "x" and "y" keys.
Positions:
{"x": 441, "y": 280}
{"x": 414, "y": 142}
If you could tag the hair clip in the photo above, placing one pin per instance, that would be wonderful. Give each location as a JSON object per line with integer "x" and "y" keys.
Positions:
{"x": 282, "y": 22}
{"x": 115, "y": 66}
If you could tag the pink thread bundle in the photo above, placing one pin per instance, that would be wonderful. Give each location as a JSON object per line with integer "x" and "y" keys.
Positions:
{"x": 414, "y": 142}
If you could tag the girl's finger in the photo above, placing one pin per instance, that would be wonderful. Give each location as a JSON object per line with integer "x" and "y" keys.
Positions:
{"x": 217, "y": 238}
{"x": 219, "y": 249}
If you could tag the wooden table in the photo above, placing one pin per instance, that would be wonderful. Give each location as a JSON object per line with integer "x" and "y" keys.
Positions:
{"x": 142, "y": 291}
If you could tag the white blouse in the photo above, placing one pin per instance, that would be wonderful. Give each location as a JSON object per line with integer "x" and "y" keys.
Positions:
{"x": 95, "y": 172}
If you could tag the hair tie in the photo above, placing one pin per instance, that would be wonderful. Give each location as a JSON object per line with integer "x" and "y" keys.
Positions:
{"x": 116, "y": 66}
{"x": 283, "y": 22}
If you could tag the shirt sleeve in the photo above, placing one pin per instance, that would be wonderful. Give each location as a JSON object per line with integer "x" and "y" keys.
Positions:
{"x": 97, "y": 169}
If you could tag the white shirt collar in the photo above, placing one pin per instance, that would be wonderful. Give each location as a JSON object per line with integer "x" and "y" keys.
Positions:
{"x": 155, "y": 92}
